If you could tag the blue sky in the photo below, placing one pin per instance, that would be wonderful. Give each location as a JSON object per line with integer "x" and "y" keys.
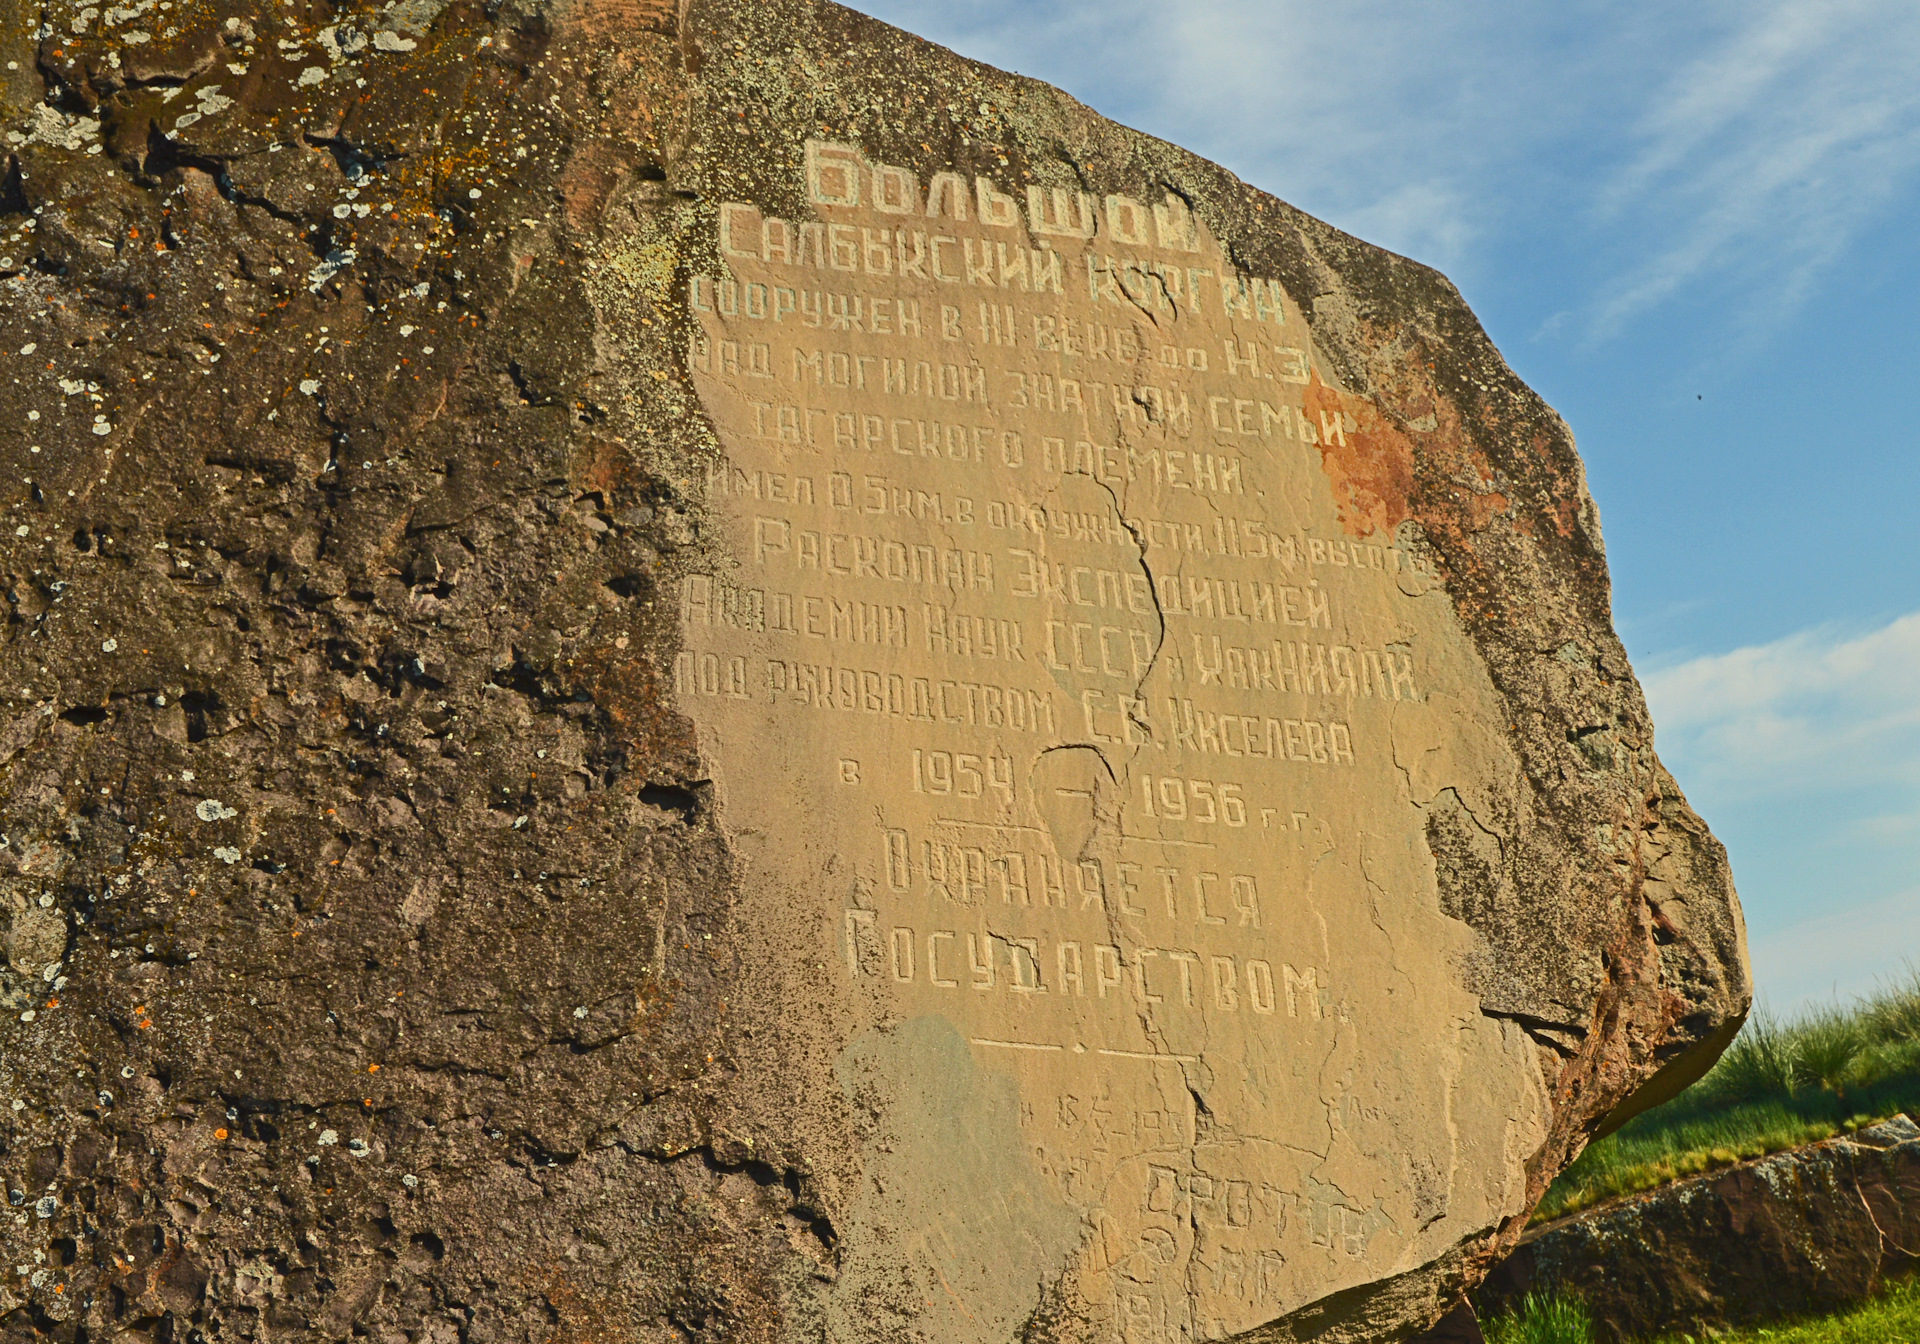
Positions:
{"x": 1691, "y": 228}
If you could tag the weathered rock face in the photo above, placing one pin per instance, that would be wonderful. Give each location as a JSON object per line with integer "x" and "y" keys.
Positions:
{"x": 707, "y": 673}
{"x": 1799, "y": 1233}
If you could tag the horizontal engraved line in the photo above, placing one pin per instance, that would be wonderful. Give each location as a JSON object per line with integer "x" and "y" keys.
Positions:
{"x": 987, "y": 825}
{"x": 1117, "y": 1054}
{"x": 1035, "y": 830}
{"x": 1015, "y": 1045}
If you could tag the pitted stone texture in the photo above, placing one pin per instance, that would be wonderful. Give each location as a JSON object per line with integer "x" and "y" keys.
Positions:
{"x": 698, "y": 671}
{"x": 37, "y": 940}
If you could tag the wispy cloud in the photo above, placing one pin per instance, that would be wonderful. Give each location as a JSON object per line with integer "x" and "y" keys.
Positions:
{"x": 1818, "y": 710}
{"x": 1804, "y": 753}
{"x": 1839, "y": 953}
{"x": 1371, "y": 114}
{"x": 1772, "y": 149}
{"x": 1676, "y": 147}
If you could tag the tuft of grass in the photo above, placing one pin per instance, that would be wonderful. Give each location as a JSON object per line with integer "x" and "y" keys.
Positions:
{"x": 1761, "y": 1062}
{"x": 1779, "y": 1085}
{"x": 1826, "y": 1044}
{"x": 1894, "y": 1014}
{"x": 1541, "y": 1318}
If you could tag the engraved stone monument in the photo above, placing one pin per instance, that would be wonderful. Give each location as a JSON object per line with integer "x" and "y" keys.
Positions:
{"x": 736, "y": 679}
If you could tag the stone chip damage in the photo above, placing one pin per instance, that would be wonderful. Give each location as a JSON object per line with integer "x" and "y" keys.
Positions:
{"x": 391, "y": 950}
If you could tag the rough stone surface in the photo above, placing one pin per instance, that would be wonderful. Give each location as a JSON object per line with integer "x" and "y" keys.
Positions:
{"x": 703, "y": 673}
{"x": 1799, "y": 1233}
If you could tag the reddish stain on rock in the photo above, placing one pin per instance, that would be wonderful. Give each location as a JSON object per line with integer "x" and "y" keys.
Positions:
{"x": 1367, "y": 459}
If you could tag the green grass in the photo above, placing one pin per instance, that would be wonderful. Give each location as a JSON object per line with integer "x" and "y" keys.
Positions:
{"x": 1779, "y": 1085}
{"x": 1542, "y": 1319}
{"x": 1890, "y": 1319}
{"x": 1893, "y": 1318}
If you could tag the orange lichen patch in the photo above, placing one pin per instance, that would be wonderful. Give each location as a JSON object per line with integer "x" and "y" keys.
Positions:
{"x": 581, "y": 1318}
{"x": 1367, "y": 459}
{"x": 1484, "y": 508}
{"x": 1403, "y": 380}
{"x": 1566, "y": 516}
{"x": 219, "y": 1133}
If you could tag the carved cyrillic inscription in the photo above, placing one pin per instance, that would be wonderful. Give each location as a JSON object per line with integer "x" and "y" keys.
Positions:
{"x": 1094, "y": 727}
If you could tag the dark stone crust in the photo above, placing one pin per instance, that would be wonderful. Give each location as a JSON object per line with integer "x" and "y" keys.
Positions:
{"x": 383, "y": 668}
{"x": 1806, "y": 1232}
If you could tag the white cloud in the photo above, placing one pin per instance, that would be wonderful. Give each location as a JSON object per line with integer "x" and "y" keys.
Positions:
{"x": 1818, "y": 710}
{"x": 1360, "y": 112}
{"x": 1428, "y": 220}
{"x": 1838, "y": 953}
{"x": 1673, "y": 146}
{"x": 1804, "y": 754}
{"x": 1769, "y": 150}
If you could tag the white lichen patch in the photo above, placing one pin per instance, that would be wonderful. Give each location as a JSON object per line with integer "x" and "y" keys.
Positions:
{"x": 341, "y": 43}
{"x": 335, "y": 263}
{"x": 414, "y": 16}
{"x": 47, "y": 125}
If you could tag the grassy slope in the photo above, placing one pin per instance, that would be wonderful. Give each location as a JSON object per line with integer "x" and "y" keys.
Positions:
{"x": 1780, "y": 1085}
{"x": 1891, "y": 1319}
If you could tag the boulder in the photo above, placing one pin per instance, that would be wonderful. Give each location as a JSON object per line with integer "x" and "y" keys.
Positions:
{"x": 698, "y": 670}
{"x": 1805, "y": 1232}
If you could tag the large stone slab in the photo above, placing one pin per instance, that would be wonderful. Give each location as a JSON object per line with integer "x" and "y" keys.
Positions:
{"x": 703, "y": 670}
